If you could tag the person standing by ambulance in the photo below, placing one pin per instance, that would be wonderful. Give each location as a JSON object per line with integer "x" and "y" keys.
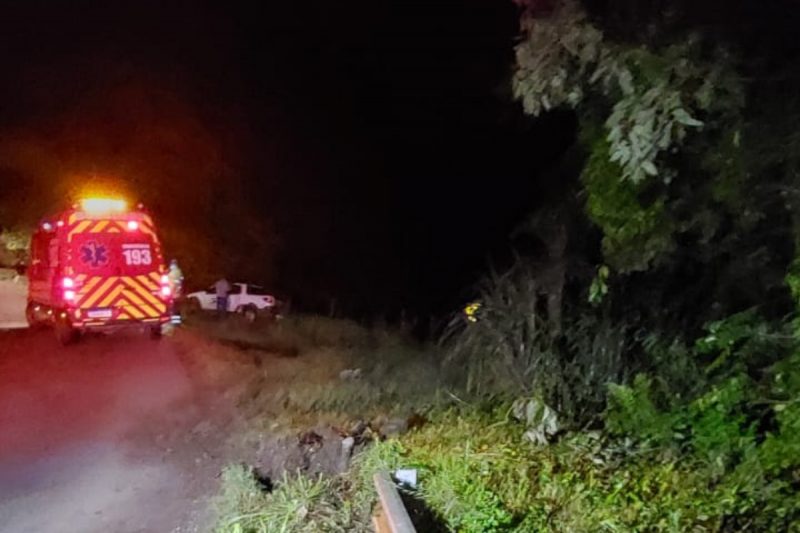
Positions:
{"x": 222, "y": 288}
{"x": 175, "y": 276}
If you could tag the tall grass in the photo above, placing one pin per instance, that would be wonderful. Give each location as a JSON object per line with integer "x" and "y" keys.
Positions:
{"x": 298, "y": 504}
{"x": 512, "y": 349}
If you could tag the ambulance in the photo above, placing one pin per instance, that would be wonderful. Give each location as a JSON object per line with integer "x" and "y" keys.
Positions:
{"x": 98, "y": 266}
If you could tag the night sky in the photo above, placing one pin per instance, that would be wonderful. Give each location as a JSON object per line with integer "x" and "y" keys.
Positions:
{"x": 377, "y": 140}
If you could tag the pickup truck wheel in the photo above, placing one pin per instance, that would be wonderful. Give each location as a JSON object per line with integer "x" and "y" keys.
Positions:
{"x": 249, "y": 312}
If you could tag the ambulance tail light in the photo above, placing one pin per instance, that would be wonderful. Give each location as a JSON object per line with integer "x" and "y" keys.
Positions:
{"x": 68, "y": 288}
{"x": 166, "y": 290}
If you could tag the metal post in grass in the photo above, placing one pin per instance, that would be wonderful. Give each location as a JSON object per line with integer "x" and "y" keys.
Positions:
{"x": 392, "y": 516}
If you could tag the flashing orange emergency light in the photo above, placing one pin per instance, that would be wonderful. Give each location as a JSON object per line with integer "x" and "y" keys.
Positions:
{"x": 103, "y": 205}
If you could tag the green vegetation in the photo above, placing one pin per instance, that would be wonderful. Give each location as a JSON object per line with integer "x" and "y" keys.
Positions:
{"x": 716, "y": 453}
{"x": 298, "y": 504}
{"x": 477, "y": 477}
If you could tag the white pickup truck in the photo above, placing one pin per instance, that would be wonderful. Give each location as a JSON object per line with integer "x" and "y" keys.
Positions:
{"x": 244, "y": 298}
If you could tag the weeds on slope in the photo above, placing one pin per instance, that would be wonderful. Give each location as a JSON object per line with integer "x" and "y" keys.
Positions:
{"x": 308, "y": 369}
{"x": 297, "y": 504}
{"x": 478, "y": 475}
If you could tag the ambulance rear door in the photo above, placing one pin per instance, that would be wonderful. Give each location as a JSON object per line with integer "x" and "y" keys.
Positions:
{"x": 117, "y": 275}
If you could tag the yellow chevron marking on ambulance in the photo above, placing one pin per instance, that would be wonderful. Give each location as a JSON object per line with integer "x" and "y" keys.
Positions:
{"x": 108, "y": 300}
{"x": 140, "y": 303}
{"x": 80, "y": 228}
{"x": 133, "y": 296}
{"x": 96, "y": 295}
{"x": 131, "y": 310}
{"x": 144, "y": 280}
{"x": 144, "y": 293}
{"x": 135, "y": 312}
{"x": 124, "y": 310}
{"x": 89, "y": 285}
{"x": 100, "y": 226}
{"x": 88, "y": 289}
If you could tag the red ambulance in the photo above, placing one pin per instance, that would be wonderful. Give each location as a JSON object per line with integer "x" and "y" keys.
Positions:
{"x": 98, "y": 266}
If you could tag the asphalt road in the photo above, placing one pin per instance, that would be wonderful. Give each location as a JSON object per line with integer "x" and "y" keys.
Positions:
{"x": 113, "y": 434}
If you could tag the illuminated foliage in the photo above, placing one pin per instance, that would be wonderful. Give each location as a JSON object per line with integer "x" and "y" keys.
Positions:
{"x": 652, "y": 97}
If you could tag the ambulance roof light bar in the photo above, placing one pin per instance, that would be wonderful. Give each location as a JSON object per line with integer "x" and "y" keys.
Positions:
{"x": 96, "y": 206}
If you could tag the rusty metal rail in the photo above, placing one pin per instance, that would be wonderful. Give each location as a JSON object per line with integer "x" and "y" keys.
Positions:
{"x": 391, "y": 516}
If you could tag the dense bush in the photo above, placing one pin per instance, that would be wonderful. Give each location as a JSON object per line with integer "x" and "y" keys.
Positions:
{"x": 511, "y": 349}
{"x": 705, "y": 437}
{"x": 742, "y": 427}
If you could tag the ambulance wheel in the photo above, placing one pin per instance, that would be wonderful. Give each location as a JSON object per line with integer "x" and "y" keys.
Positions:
{"x": 156, "y": 332}
{"x": 30, "y": 315}
{"x": 65, "y": 333}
